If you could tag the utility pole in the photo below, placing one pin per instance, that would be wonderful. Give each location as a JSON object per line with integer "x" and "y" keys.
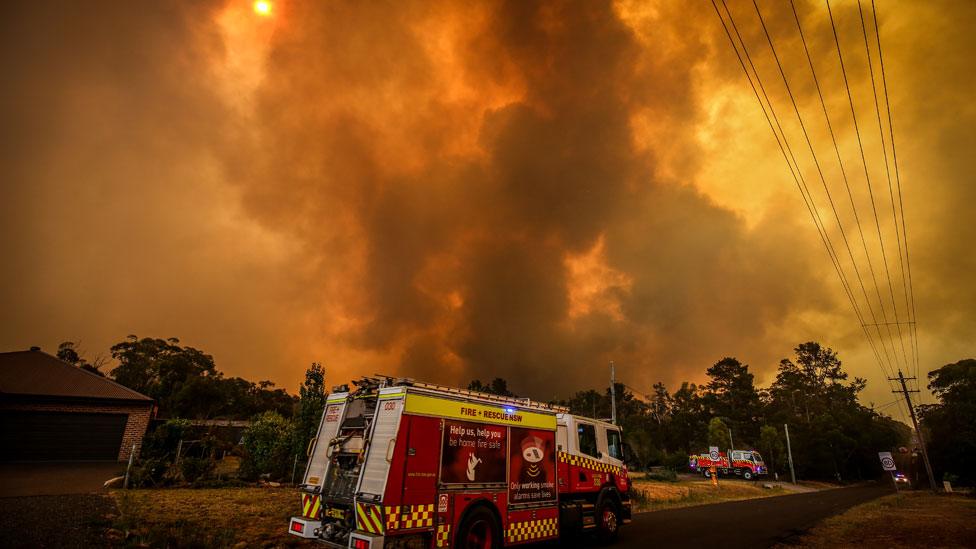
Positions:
{"x": 613, "y": 396}
{"x": 731, "y": 444}
{"x": 918, "y": 432}
{"x": 789, "y": 452}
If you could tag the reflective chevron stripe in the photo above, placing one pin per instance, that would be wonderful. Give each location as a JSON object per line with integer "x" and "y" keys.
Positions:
{"x": 310, "y": 506}
{"x": 369, "y": 518}
{"x": 588, "y": 463}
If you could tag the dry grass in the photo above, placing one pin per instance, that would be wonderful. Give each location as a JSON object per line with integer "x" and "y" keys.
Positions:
{"x": 908, "y": 519}
{"x": 222, "y": 517}
{"x": 652, "y": 495}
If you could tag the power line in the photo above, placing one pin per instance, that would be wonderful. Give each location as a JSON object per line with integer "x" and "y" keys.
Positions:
{"x": 867, "y": 178}
{"x": 823, "y": 181}
{"x": 840, "y": 162}
{"x": 894, "y": 155}
{"x": 884, "y": 150}
{"x": 797, "y": 175}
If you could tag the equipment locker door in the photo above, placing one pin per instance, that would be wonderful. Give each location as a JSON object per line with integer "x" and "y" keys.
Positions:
{"x": 376, "y": 466}
{"x": 318, "y": 461}
{"x": 422, "y": 462}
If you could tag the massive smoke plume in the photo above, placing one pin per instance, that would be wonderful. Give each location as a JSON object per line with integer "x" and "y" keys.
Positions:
{"x": 439, "y": 190}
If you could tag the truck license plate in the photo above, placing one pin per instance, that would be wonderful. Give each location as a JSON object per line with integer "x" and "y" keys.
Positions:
{"x": 336, "y": 513}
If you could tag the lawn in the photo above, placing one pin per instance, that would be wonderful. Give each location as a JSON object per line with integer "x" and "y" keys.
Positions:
{"x": 908, "y": 519}
{"x": 224, "y": 517}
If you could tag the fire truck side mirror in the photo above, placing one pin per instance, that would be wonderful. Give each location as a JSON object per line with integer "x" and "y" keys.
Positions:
{"x": 389, "y": 450}
{"x": 308, "y": 449}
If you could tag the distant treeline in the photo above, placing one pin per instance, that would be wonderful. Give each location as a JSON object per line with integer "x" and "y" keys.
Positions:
{"x": 833, "y": 436}
{"x": 184, "y": 382}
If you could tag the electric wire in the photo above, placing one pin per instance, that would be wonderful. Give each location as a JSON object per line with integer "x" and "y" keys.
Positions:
{"x": 833, "y": 138}
{"x": 894, "y": 156}
{"x": 800, "y": 180}
{"x": 823, "y": 181}
{"x": 894, "y": 213}
{"x": 884, "y": 150}
{"x": 797, "y": 175}
{"x": 867, "y": 175}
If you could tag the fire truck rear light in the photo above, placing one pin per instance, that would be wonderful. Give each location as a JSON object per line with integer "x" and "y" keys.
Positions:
{"x": 297, "y": 527}
{"x": 360, "y": 543}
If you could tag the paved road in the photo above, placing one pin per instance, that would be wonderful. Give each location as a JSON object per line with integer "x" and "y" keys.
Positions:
{"x": 55, "y": 504}
{"x": 747, "y": 524}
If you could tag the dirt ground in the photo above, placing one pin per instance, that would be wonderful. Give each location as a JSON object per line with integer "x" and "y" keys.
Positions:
{"x": 907, "y": 519}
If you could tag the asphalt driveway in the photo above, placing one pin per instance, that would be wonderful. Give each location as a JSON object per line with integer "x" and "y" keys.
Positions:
{"x": 56, "y": 478}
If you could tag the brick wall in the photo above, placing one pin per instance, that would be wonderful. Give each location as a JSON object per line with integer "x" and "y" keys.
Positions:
{"x": 135, "y": 425}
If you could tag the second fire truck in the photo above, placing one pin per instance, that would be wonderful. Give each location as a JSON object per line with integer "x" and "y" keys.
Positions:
{"x": 399, "y": 463}
{"x": 747, "y": 464}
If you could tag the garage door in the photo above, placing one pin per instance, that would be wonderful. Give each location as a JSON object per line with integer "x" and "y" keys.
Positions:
{"x": 40, "y": 436}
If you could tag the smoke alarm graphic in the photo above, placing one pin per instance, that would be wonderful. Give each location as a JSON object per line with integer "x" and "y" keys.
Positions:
{"x": 532, "y": 453}
{"x": 532, "y": 449}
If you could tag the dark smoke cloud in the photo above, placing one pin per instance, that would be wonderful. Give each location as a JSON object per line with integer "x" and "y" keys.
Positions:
{"x": 555, "y": 170}
{"x": 449, "y": 191}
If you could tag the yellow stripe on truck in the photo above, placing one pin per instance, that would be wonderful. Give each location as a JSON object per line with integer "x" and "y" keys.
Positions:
{"x": 480, "y": 413}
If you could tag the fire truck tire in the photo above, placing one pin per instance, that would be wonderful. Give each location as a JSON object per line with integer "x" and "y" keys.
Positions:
{"x": 747, "y": 474}
{"x": 707, "y": 473}
{"x": 607, "y": 521}
{"x": 479, "y": 530}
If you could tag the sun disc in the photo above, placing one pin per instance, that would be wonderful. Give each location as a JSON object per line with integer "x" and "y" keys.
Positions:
{"x": 262, "y": 7}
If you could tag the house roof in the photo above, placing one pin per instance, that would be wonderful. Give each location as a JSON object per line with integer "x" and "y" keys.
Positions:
{"x": 37, "y": 373}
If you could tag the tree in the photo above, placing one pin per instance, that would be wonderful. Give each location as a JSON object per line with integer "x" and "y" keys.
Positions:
{"x": 68, "y": 352}
{"x": 952, "y": 423}
{"x": 498, "y": 386}
{"x": 731, "y": 394}
{"x": 718, "y": 434}
{"x": 771, "y": 445}
{"x": 688, "y": 427}
{"x": 159, "y": 367}
{"x": 311, "y": 402}
{"x": 833, "y": 436}
{"x": 185, "y": 382}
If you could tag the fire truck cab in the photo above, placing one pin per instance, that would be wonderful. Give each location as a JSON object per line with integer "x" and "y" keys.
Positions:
{"x": 399, "y": 463}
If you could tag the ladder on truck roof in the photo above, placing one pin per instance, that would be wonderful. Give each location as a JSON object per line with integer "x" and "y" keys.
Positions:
{"x": 387, "y": 381}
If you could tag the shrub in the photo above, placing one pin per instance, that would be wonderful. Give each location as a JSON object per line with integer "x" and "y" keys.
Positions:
{"x": 639, "y": 498}
{"x": 662, "y": 474}
{"x": 150, "y": 473}
{"x": 162, "y": 442}
{"x": 677, "y": 461}
{"x": 268, "y": 447}
{"x": 195, "y": 468}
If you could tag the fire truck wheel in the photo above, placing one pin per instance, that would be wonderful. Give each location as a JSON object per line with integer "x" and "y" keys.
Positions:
{"x": 607, "y": 522}
{"x": 747, "y": 474}
{"x": 479, "y": 531}
{"x": 707, "y": 473}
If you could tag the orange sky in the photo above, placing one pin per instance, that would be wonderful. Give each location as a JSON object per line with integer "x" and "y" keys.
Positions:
{"x": 448, "y": 191}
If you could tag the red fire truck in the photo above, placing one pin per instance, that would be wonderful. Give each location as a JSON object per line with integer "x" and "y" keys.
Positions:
{"x": 399, "y": 463}
{"x": 747, "y": 464}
